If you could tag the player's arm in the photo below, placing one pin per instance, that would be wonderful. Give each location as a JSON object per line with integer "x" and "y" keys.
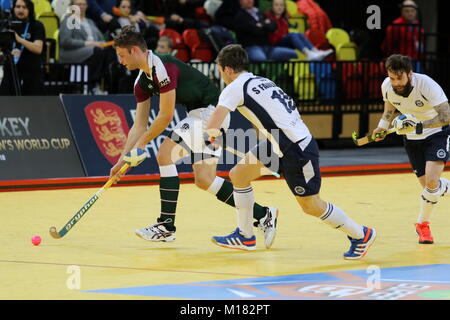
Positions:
{"x": 442, "y": 118}
{"x": 162, "y": 120}
{"x": 215, "y": 121}
{"x": 137, "y": 130}
{"x": 385, "y": 121}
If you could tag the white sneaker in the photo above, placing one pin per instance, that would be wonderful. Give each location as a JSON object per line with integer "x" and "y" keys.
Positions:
{"x": 157, "y": 233}
{"x": 268, "y": 225}
{"x": 318, "y": 55}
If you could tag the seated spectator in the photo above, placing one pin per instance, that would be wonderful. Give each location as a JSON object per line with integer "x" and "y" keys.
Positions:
{"x": 100, "y": 11}
{"x": 405, "y": 35}
{"x": 165, "y": 46}
{"x": 149, "y": 31}
{"x": 225, "y": 14}
{"x": 85, "y": 45}
{"x": 180, "y": 15}
{"x": 252, "y": 31}
{"x": 26, "y": 53}
{"x": 282, "y": 37}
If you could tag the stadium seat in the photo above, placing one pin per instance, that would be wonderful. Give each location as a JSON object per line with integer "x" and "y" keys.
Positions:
{"x": 56, "y": 37}
{"x": 337, "y": 36}
{"x": 299, "y": 24}
{"x": 50, "y": 21}
{"x": 292, "y": 9}
{"x": 304, "y": 80}
{"x": 347, "y": 51}
{"x": 41, "y": 6}
{"x": 317, "y": 38}
{"x": 200, "y": 50}
{"x": 179, "y": 47}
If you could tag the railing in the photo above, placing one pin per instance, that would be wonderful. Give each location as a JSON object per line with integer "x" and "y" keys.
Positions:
{"x": 333, "y": 88}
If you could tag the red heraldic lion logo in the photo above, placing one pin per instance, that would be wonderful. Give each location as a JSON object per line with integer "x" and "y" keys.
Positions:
{"x": 109, "y": 128}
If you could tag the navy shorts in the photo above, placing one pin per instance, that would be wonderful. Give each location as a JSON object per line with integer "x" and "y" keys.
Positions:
{"x": 433, "y": 148}
{"x": 300, "y": 168}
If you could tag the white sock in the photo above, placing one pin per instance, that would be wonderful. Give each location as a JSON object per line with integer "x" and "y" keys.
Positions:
{"x": 168, "y": 171}
{"x": 337, "y": 219}
{"x": 215, "y": 185}
{"x": 244, "y": 200}
{"x": 445, "y": 185}
{"x": 428, "y": 199}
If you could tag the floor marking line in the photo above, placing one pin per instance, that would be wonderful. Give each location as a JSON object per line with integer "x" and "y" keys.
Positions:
{"x": 130, "y": 268}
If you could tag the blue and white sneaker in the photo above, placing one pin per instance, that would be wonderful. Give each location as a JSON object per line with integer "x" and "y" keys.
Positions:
{"x": 359, "y": 247}
{"x": 235, "y": 241}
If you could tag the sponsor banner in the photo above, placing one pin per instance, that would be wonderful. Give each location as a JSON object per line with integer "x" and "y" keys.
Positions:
{"x": 100, "y": 125}
{"x": 35, "y": 140}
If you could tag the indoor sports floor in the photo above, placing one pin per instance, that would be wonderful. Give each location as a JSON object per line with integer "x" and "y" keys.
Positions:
{"x": 101, "y": 258}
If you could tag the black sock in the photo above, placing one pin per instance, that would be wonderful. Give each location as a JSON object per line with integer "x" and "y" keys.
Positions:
{"x": 169, "y": 189}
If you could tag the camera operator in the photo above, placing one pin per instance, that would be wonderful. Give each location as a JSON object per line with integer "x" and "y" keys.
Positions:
{"x": 26, "y": 52}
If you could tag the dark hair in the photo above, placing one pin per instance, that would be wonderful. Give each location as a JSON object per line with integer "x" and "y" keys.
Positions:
{"x": 128, "y": 38}
{"x": 397, "y": 63}
{"x": 30, "y": 6}
{"x": 233, "y": 56}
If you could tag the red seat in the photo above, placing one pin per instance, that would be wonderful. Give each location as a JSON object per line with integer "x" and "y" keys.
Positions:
{"x": 317, "y": 38}
{"x": 172, "y": 34}
{"x": 182, "y": 51}
{"x": 199, "y": 49}
{"x": 202, "y": 53}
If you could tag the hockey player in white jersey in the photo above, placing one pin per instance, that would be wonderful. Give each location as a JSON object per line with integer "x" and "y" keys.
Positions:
{"x": 424, "y": 123}
{"x": 275, "y": 115}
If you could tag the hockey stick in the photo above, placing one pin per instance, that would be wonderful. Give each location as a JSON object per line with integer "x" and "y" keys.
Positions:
{"x": 80, "y": 213}
{"x": 370, "y": 138}
{"x": 242, "y": 155}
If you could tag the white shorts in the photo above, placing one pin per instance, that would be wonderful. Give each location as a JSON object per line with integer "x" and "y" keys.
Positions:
{"x": 189, "y": 133}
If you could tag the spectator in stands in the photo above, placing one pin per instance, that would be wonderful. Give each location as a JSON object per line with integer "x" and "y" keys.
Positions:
{"x": 26, "y": 52}
{"x": 252, "y": 31}
{"x": 85, "y": 44}
{"x": 282, "y": 37}
{"x": 129, "y": 16}
{"x": 405, "y": 35}
{"x": 181, "y": 15}
{"x": 225, "y": 14}
{"x": 100, "y": 11}
{"x": 164, "y": 46}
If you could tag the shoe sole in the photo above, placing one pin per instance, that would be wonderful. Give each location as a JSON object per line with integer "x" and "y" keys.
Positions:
{"x": 156, "y": 240}
{"x": 369, "y": 244}
{"x": 272, "y": 238}
{"x": 234, "y": 248}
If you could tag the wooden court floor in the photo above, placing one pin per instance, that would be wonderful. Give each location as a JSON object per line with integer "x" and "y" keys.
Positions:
{"x": 102, "y": 252}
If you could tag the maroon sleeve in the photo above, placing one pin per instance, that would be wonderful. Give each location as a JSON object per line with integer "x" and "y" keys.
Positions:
{"x": 140, "y": 94}
{"x": 173, "y": 72}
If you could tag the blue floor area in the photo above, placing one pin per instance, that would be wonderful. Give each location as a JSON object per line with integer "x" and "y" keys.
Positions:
{"x": 411, "y": 282}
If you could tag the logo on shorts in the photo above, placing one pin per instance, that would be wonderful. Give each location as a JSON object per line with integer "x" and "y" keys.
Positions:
{"x": 299, "y": 190}
{"x": 419, "y": 103}
{"x": 184, "y": 127}
{"x": 441, "y": 154}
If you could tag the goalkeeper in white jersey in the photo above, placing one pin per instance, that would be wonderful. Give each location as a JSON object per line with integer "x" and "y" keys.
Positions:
{"x": 424, "y": 123}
